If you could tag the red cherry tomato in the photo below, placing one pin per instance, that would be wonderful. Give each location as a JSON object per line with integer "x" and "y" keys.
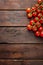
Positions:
{"x": 38, "y": 24}
{"x": 42, "y": 12}
{"x": 34, "y": 28}
{"x": 33, "y": 8}
{"x": 34, "y": 14}
{"x": 39, "y": 1}
{"x": 37, "y": 33}
{"x": 39, "y": 15}
{"x": 29, "y": 27}
{"x": 36, "y": 19}
{"x": 41, "y": 28}
{"x": 32, "y": 22}
{"x": 38, "y": 10}
{"x": 41, "y": 34}
{"x": 41, "y": 20}
{"x": 36, "y": 5}
{"x": 41, "y": 6}
{"x": 28, "y": 10}
{"x": 29, "y": 15}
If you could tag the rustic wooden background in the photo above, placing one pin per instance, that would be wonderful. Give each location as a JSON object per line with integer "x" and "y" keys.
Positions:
{"x": 17, "y": 45}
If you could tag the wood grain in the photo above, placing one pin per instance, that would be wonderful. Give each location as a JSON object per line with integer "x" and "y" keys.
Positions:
{"x": 21, "y": 51}
{"x": 33, "y": 62}
{"x": 22, "y": 62}
{"x": 17, "y": 49}
{"x": 16, "y": 4}
{"x": 13, "y": 18}
{"x": 18, "y": 35}
{"x": 10, "y": 62}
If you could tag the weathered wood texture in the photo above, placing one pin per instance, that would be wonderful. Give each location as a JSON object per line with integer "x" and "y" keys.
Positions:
{"x": 22, "y": 62}
{"x": 21, "y": 51}
{"x": 16, "y": 4}
{"x": 18, "y": 35}
{"x": 13, "y": 14}
{"x": 13, "y": 18}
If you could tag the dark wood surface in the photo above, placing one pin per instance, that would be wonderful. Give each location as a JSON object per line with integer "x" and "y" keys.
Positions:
{"x": 18, "y": 35}
{"x": 16, "y": 4}
{"x": 18, "y": 46}
{"x": 20, "y": 62}
{"x": 21, "y": 51}
{"x": 13, "y": 18}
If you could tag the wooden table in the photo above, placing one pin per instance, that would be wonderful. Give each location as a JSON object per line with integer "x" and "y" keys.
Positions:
{"x": 17, "y": 45}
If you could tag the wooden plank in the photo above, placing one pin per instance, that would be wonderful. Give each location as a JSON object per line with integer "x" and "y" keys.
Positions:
{"x": 21, "y": 51}
{"x": 33, "y": 62}
{"x": 18, "y": 35}
{"x": 10, "y": 62}
{"x": 22, "y": 62}
{"x": 13, "y": 18}
{"x": 16, "y": 4}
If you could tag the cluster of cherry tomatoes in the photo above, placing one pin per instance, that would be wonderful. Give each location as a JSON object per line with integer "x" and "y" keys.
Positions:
{"x": 36, "y": 23}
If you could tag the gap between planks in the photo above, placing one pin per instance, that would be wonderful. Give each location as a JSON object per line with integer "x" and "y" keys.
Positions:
{"x": 17, "y": 60}
{"x": 20, "y": 43}
{"x": 12, "y": 9}
{"x": 21, "y": 59}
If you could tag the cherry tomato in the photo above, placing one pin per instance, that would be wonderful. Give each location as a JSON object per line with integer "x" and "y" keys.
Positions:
{"x": 42, "y": 12}
{"x": 41, "y": 20}
{"x": 34, "y": 14}
{"x": 38, "y": 10}
{"x": 41, "y": 6}
{"x": 37, "y": 33}
{"x": 29, "y": 27}
{"x": 32, "y": 22}
{"x": 28, "y": 10}
{"x": 39, "y": 1}
{"x": 33, "y": 8}
{"x": 34, "y": 28}
{"x": 41, "y": 34}
{"x": 41, "y": 28}
{"x": 36, "y": 5}
{"x": 39, "y": 15}
{"x": 30, "y": 15}
{"x": 38, "y": 24}
{"x": 36, "y": 19}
